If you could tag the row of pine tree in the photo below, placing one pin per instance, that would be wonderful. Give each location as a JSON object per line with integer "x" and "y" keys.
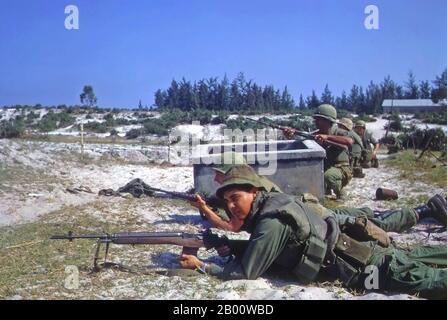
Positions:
{"x": 243, "y": 95}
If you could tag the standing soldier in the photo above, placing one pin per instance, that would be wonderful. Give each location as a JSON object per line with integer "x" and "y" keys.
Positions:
{"x": 356, "y": 149}
{"x": 369, "y": 158}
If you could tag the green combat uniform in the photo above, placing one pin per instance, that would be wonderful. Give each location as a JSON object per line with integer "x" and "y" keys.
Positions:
{"x": 368, "y": 142}
{"x": 356, "y": 148}
{"x": 398, "y": 220}
{"x": 337, "y": 170}
{"x": 287, "y": 234}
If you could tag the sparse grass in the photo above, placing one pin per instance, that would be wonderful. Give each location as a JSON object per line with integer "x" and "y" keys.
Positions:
{"x": 427, "y": 169}
{"x": 28, "y": 258}
{"x": 92, "y": 140}
{"x": 32, "y": 266}
{"x": 24, "y": 180}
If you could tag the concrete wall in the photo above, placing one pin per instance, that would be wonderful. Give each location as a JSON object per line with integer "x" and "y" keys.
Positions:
{"x": 299, "y": 165}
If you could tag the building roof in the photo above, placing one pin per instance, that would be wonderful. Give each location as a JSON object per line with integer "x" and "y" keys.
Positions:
{"x": 411, "y": 103}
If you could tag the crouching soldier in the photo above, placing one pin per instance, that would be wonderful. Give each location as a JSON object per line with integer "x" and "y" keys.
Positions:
{"x": 371, "y": 145}
{"x": 287, "y": 234}
{"x": 355, "y": 152}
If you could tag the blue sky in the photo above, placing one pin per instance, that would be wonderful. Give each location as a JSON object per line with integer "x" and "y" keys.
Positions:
{"x": 128, "y": 49}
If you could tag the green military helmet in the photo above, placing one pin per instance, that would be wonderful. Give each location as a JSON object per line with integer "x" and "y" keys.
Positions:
{"x": 238, "y": 176}
{"x": 228, "y": 161}
{"x": 347, "y": 123}
{"x": 360, "y": 123}
{"x": 326, "y": 111}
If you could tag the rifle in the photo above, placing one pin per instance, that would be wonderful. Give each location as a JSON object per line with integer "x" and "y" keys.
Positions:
{"x": 186, "y": 196}
{"x": 190, "y": 242}
{"x": 306, "y": 135}
{"x": 138, "y": 187}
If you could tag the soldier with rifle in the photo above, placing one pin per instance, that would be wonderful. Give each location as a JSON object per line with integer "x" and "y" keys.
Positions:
{"x": 288, "y": 235}
{"x": 337, "y": 142}
{"x": 337, "y": 170}
{"x": 357, "y": 147}
{"x": 218, "y": 216}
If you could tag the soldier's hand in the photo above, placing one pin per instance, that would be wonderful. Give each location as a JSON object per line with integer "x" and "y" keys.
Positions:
{"x": 289, "y": 132}
{"x": 321, "y": 138}
{"x": 199, "y": 203}
{"x": 188, "y": 261}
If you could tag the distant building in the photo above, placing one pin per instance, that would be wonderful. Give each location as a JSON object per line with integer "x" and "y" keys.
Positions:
{"x": 412, "y": 105}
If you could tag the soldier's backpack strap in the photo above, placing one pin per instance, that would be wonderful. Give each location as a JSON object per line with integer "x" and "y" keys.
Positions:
{"x": 314, "y": 251}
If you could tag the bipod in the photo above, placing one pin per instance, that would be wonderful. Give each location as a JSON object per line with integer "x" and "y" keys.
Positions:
{"x": 96, "y": 268}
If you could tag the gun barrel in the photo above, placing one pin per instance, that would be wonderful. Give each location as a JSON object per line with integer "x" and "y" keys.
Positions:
{"x": 175, "y": 238}
{"x": 180, "y": 195}
{"x": 275, "y": 126}
{"x": 70, "y": 236}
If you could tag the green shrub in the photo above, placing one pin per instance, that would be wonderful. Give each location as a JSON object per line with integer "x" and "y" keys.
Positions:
{"x": 94, "y": 126}
{"x": 298, "y": 122}
{"x": 123, "y": 122}
{"x": 11, "y": 129}
{"x": 220, "y": 118}
{"x": 52, "y": 121}
{"x": 155, "y": 126}
{"x": 133, "y": 133}
{"x": 432, "y": 117}
{"x": 418, "y": 138}
{"x": 243, "y": 124}
{"x": 342, "y": 113}
{"x": 31, "y": 117}
{"x": 395, "y": 123}
{"x": 365, "y": 117}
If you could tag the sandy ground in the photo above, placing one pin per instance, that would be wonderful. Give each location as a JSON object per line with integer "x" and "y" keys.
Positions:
{"x": 35, "y": 177}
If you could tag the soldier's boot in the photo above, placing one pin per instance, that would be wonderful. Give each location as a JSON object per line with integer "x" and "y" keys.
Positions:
{"x": 357, "y": 172}
{"x": 340, "y": 195}
{"x": 375, "y": 163}
{"x": 435, "y": 208}
{"x": 365, "y": 165}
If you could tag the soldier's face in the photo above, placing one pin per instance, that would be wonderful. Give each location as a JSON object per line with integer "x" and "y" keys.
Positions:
{"x": 360, "y": 131}
{"x": 239, "y": 202}
{"x": 219, "y": 177}
{"x": 322, "y": 124}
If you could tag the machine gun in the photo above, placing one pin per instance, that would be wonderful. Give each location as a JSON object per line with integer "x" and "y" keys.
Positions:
{"x": 305, "y": 135}
{"x": 190, "y": 242}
